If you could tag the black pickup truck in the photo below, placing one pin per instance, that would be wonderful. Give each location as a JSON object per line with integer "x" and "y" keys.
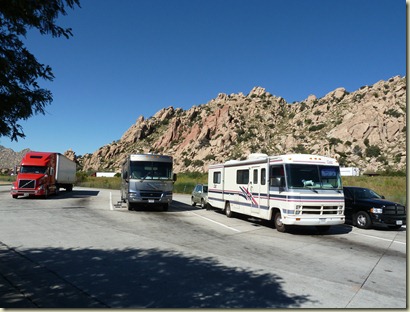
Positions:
{"x": 365, "y": 208}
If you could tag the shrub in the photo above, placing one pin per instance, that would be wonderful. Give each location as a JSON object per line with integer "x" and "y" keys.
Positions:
{"x": 197, "y": 163}
{"x": 372, "y": 151}
{"x": 317, "y": 127}
{"x": 300, "y": 149}
{"x": 334, "y": 141}
{"x": 392, "y": 112}
{"x": 357, "y": 150}
{"x": 209, "y": 157}
{"x": 187, "y": 162}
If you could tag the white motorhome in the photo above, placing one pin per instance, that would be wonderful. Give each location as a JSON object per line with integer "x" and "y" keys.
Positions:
{"x": 294, "y": 189}
{"x": 147, "y": 179}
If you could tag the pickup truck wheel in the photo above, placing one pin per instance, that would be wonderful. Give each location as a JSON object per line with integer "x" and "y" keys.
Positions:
{"x": 202, "y": 203}
{"x": 363, "y": 220}
{"x": 192, "y": 202}
{"x": 165, "y": 207}
{"x": 280, "y": 227}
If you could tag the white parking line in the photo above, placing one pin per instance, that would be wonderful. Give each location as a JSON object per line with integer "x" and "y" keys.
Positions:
{"x": 221, "y": 224}
{"x": 111, "y": 207}
{"x": 384, "y": 239}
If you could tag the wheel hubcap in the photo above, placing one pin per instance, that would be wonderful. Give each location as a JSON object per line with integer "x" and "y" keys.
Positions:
{"x": 361, "y": 220}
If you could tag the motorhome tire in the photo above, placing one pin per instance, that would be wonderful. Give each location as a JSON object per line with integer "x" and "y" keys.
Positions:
{"x": 130, "y": 206}
{"x": 228, "y": 211}
{"x": 280, "y": 227}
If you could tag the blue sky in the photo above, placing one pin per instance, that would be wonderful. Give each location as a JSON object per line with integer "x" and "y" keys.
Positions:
{"x": 134, "y": 57}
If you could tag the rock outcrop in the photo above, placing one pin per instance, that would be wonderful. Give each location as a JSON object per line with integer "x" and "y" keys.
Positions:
{"x": 365, "y": 129}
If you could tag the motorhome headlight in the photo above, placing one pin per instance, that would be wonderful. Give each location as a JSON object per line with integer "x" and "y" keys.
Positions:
{"x": 132, "y": 194}
{"x": 376, "y": 210}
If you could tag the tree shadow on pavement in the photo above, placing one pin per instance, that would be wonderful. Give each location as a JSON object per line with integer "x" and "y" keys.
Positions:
{"x": 135, "y": 278}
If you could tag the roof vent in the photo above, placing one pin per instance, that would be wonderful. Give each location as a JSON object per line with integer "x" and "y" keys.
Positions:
{"x": 257, "y": 156}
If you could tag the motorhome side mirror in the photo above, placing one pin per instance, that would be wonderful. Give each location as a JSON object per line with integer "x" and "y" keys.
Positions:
{"x": 282, "y": 182}
{"x": 174, "y": 177}
{"x": 277, "y": 182}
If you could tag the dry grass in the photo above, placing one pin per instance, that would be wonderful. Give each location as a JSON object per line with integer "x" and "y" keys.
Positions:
{"x": 393, "y": 188}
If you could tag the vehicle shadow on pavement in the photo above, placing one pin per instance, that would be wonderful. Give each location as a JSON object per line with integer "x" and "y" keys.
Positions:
{"x": 180, "y": 206}
{"x": 134, "y": 278}
{"x": 297, "y": 230}
{"x": 65, "y": 194}
{"x": 78, "y": 194}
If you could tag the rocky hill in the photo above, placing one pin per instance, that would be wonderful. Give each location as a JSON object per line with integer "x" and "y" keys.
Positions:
{"x": 365, "y": 129}
{"x": 9, "y": 159}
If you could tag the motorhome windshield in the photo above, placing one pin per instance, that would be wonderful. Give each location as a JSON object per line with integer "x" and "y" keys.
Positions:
{"x": 150, "y": 170}
{"x": 313, "y": 176}
{"x": 33, "y": 169}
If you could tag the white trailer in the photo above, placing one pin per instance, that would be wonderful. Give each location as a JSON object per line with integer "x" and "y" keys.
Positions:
{"x": 105, "y": 174}
{"x": 294, "y": 189}
{"x": 349, "y": 171}
{"x": 65, "y": 174}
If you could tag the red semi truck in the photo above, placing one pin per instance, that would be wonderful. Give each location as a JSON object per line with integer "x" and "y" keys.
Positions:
{"x": 42, "y": 174}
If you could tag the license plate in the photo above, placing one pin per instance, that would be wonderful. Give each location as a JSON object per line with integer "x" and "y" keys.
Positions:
{"x": 26, "y": 194}
{"x": 151, "y": 201}
{"x": 399, "y": 222}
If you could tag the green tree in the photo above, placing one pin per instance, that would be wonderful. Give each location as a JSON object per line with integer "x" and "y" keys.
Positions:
{"x": 20, "y": 95}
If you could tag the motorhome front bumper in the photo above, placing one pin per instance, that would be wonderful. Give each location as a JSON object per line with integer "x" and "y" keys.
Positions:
{"x": 150, "y": 197}
{"x": 313, "y": 221}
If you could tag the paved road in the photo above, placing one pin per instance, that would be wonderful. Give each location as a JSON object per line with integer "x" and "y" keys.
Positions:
{"x": 77, "y": 250}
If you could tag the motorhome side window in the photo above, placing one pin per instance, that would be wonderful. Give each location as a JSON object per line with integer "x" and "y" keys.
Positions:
{"x": 277, "y": 176}
{"x": 255, "y": 176}
{"x": 217, "y": 177}
{"x": 263, "y": 176}
{"x": 242, "y": 176}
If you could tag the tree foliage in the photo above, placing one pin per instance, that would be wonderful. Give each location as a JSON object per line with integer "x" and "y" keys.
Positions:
{"x": 20, "y": 94}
